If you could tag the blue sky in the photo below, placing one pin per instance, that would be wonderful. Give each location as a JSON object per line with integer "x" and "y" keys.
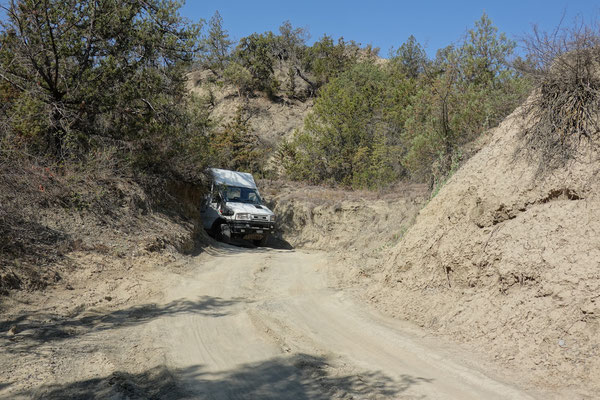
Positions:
{"x": 386, "y": 23}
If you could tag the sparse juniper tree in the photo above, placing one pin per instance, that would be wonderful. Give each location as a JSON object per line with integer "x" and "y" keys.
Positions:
{"x": 410, "y": 57}
{"x": 291, "y": 82}
{"x": 216, "y": 46}
{"x": 485, "y": 54}
{"x": 256, "y": 54}
{"x": 236, "y": 147}
{"x": 237, "y": 75}
{"x": 291, "y": 43}
{"x": 327, "y": 59}
{"x": 89, "y": 71}
{"x": 290, "y": 48}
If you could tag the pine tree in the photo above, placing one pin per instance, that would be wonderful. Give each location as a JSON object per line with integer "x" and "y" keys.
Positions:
{"x": 410, "y": 57}
{"x": 217, "y": 46}
{"x": 485, "y": 53}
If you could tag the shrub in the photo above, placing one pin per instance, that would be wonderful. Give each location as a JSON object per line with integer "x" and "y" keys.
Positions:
{"x": 347, "y": 138}
{"x": 236, "y": 147}
{"x": 373, "y": 124}
{"x": 87, "y": 74}
{"x": 563, "y": 112}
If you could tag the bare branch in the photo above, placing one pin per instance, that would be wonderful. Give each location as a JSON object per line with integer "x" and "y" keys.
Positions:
{"x": 563, "y": 114}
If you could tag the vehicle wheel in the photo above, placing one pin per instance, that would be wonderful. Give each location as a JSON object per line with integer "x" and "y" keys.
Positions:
{"x": 261, "y": 242}
{"x": 215, "y": 230}
{"x": 224, "y": 233}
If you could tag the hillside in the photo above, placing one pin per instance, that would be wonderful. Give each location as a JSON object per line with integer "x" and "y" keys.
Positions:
{"x": 270, "y": 119}
{"x": 507, "y": 258}
{"x": 61, "y": 229}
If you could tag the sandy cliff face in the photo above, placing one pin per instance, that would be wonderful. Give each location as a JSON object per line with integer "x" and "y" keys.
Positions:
{"x": 508, "y": 258}
{"x": 339, "y": 220}
{"x": 270, "y": 120}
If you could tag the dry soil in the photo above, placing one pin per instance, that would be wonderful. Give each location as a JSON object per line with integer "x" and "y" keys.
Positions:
{"x": 234, "y": 324}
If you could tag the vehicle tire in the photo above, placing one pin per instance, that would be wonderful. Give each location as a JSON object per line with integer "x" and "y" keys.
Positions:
{"x": 261, "y": 242}
{"x": 224, "y": 233}
{"x": 215, "y": 230}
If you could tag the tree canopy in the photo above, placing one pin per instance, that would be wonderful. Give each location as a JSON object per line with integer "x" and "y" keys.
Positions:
{"x": 82, "y": 75}
{"x": 85, "y": 70}
{"x": 373, "y": 123}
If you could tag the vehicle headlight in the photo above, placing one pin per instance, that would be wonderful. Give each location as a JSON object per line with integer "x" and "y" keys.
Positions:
{"x": 242, "y": 216}
{"x": 271, "y": 218}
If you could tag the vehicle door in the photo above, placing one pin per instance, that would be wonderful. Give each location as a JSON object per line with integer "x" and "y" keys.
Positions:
{"x": 209, "y": 208}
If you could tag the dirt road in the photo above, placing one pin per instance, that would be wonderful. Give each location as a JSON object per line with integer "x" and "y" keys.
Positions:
{"x": 231, "y": 323}
{"x": 266, "y": 325}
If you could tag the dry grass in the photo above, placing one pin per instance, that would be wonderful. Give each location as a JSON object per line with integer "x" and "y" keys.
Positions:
{"x": 48, "y": 211}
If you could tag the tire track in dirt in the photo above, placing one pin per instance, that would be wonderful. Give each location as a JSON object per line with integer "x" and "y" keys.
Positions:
{"x": 283, "y": 333}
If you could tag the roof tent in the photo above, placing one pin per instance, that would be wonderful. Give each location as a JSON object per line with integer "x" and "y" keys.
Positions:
{"x": 232, "y": 178}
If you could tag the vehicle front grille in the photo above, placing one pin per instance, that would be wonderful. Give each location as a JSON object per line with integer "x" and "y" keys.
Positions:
{"x": 255, "y": 217}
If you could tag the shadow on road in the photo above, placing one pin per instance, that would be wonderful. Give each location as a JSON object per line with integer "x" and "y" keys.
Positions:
{"x": 298, "y": 377}
{"x": 41, "y": 327}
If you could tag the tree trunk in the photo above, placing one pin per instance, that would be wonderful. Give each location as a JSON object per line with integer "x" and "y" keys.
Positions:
{"x": 313, "y": 86}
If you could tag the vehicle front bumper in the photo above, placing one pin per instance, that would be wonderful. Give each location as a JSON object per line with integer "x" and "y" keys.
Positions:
{"x": 250, "y": 228}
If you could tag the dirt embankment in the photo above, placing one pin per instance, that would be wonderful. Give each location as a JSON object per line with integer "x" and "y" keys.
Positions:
{"x": 508, "y": 258}
{"x": 55, "y": 226}
{"x": 357, "y": 227}
{"x": 272, "y": 120}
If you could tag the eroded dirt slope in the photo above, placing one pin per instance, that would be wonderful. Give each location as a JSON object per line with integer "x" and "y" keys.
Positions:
{"x": 56, "y": 224}
{"x": 270, "y": 119}
{"x": 508, "y": 259}
{"x": 356, "y": 227}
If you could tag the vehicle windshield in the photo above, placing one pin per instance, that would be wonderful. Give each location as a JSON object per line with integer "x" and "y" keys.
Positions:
{"x": 241, "y": 195}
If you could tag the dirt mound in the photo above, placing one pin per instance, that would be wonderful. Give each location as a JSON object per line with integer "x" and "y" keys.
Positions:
{"x": 508, "y": 259}
{"x": 51, "y": 221}
{"x": 356, "y": 227}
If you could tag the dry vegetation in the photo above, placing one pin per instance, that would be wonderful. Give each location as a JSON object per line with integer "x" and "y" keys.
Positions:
{"x": 48, "y": 213}
{"x": 562, "y": 116}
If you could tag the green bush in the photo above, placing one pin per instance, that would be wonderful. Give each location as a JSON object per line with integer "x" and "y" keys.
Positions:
{"x": 236, "y": 147}
{"x": 349, "y": 137}
{"x": 373, "y": 124}
{"x": 97, "y": 74}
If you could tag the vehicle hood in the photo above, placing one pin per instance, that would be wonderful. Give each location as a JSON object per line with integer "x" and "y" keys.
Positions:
{"x": 249, "y": 208}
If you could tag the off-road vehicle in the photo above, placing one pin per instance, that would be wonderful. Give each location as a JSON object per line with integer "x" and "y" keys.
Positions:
{"x": 234, "y": 209}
